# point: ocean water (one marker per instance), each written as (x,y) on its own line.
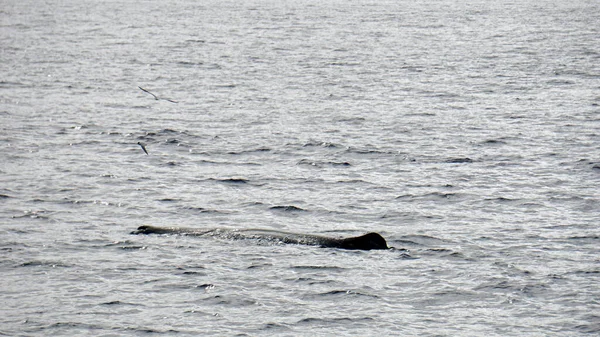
(467,133)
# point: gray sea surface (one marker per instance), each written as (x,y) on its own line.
(467,133)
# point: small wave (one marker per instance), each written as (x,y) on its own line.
(168,200)
(345,293)
(493,142)
(231,180)
(225,86)
(132,247)
(34,214)
(117,302)
(421,240)
(449,253)
(125,245)
(173,141)
(351,120)
(403,253)
(321,144)
(196,273)
(256,150)
(517,287)
(177,142)
(585,237)
(259,265)
(345,163)
(319,321)
(111,133)
(231,301)
(343,64)
(323,163)
(189,64)
(501,199)
(430,196)
(274,326)
(330,268)
(590,328)
(111,303)
(38,263)
(395,215)
(369,151)
(147,138)
(62,326)
(169,131)
(311,281)
(585,272)
(200,209)
(440,250)
(459,160)
(145,331)
(205,286)
(420,114)
(559,82)
(406,242)
(591,164)
(287,208)
(354,181)
(8,84)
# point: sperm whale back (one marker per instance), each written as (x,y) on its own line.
(364,242)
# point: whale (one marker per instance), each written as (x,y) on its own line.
(369,241)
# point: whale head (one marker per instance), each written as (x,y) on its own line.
(364,242)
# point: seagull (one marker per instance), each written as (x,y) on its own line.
(156,97)
(143,147)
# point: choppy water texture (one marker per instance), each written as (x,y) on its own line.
(466,132)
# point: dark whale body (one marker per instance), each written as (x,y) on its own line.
(364,242)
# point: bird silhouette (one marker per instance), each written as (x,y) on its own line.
(156,97)
(143,147)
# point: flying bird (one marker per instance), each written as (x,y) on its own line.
(156,97)
(143,147)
